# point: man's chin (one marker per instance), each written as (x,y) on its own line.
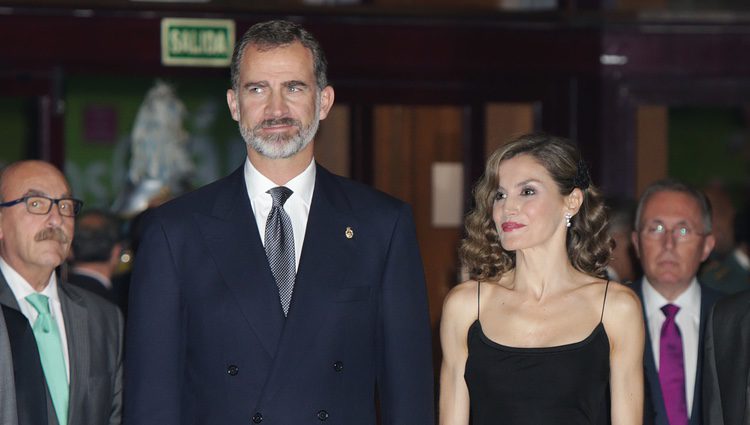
(670,280)
(52,260)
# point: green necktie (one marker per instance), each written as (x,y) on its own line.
(51,352)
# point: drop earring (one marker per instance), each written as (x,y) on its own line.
(568,216)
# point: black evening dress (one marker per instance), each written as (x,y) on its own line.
(563,385)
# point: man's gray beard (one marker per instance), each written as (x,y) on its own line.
(277,146)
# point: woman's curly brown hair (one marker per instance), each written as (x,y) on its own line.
(588,244)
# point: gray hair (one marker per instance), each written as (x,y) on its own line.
(674,185)
(272,34)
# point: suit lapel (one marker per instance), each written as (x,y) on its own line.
(79,348)
(649,365)
(233,242)
(708,299)
(327,255)
(6,295)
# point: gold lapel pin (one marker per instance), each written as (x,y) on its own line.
(349,232)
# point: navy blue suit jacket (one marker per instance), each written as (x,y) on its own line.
(654,409)
(208,342)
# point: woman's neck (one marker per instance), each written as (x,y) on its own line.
(542,272)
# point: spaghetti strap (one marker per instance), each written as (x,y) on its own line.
(606,288)
(479,284)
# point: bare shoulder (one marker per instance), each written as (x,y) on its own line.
(622,302)
(623,314)
(460,305)
(462,297)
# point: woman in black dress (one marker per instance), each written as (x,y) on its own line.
(537,336)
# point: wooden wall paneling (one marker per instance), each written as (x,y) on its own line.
(630,107)
(393,145)
(506,121)
(332,143)
(408,140)
(651,145)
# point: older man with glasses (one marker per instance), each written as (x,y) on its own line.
(672,237)
(78,335)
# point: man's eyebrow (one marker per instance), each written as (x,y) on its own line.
(295,83)
(660,221)
(36,192)
(256,84)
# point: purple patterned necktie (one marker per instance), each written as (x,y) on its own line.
(672,368)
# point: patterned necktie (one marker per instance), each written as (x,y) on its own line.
(280,245)
(48,341)
(672,368)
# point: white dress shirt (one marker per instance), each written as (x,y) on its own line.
(688,320)
(741,258)
(21,289)
(297,206)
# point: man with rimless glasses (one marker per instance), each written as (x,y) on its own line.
(672,238)
(78,335)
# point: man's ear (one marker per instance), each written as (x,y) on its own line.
(232,102)
(326,101)
(114,254)
(636,247)
(708,246)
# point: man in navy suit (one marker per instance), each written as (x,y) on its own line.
(672,238)
(217,335)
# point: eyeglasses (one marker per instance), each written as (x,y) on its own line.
(41,205)
(682,233)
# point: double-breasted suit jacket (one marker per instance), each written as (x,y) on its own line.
(94,330)
(726,367)
(207,339)
(654,408)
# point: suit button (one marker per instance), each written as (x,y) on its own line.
(338,366)
(322,415)
(257,418)
(232,370)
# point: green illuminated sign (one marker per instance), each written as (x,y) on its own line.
(197,42)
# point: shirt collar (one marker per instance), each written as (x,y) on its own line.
(689,300)
(21,288)
(104,280)
(301,185)
(741,258)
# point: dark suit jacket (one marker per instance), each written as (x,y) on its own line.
(207,339)
(654,409)
(726,390)
(94,330)
(30,386)
(90,284)
(725,275)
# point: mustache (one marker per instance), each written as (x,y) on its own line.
(279,121)
(52,233)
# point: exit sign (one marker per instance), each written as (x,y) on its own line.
(197,42)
